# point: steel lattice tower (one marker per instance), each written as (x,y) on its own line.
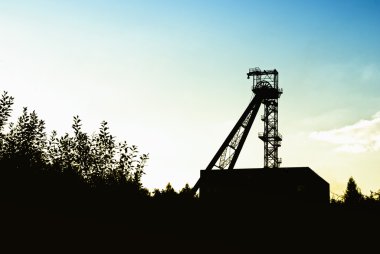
(266,84)
(265,88)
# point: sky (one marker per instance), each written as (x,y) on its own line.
(170,77)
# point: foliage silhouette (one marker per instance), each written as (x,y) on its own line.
(352,195)
(72,169)
(92,178)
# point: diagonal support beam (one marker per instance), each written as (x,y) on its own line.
(234,142)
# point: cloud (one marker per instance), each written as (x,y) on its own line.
(359,137)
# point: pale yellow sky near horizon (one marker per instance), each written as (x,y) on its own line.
(171,78)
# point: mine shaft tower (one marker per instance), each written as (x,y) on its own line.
(265,88)
(265,84)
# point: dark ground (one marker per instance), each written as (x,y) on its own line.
(197,230)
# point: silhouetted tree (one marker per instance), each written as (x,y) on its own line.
(352,195)
(25,142)
(334,201)
(37,165)
(185,190)
(186,193)
(101,161)
(167,192)
(375,195)
(6,103)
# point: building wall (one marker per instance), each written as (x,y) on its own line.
(259,185)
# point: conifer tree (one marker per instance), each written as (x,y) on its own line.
(352,195)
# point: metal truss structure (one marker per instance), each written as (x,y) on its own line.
(265,83)
(265,88)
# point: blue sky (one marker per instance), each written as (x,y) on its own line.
(169,77)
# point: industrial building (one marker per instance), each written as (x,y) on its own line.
(220,181)
(293,185)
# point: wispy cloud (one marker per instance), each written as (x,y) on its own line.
(359,137)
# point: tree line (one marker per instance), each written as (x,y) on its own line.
(354,198)
(85,170)
(67,190)
(73,169)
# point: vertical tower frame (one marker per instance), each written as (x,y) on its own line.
(265,84)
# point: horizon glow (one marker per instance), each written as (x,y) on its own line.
(170,77)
